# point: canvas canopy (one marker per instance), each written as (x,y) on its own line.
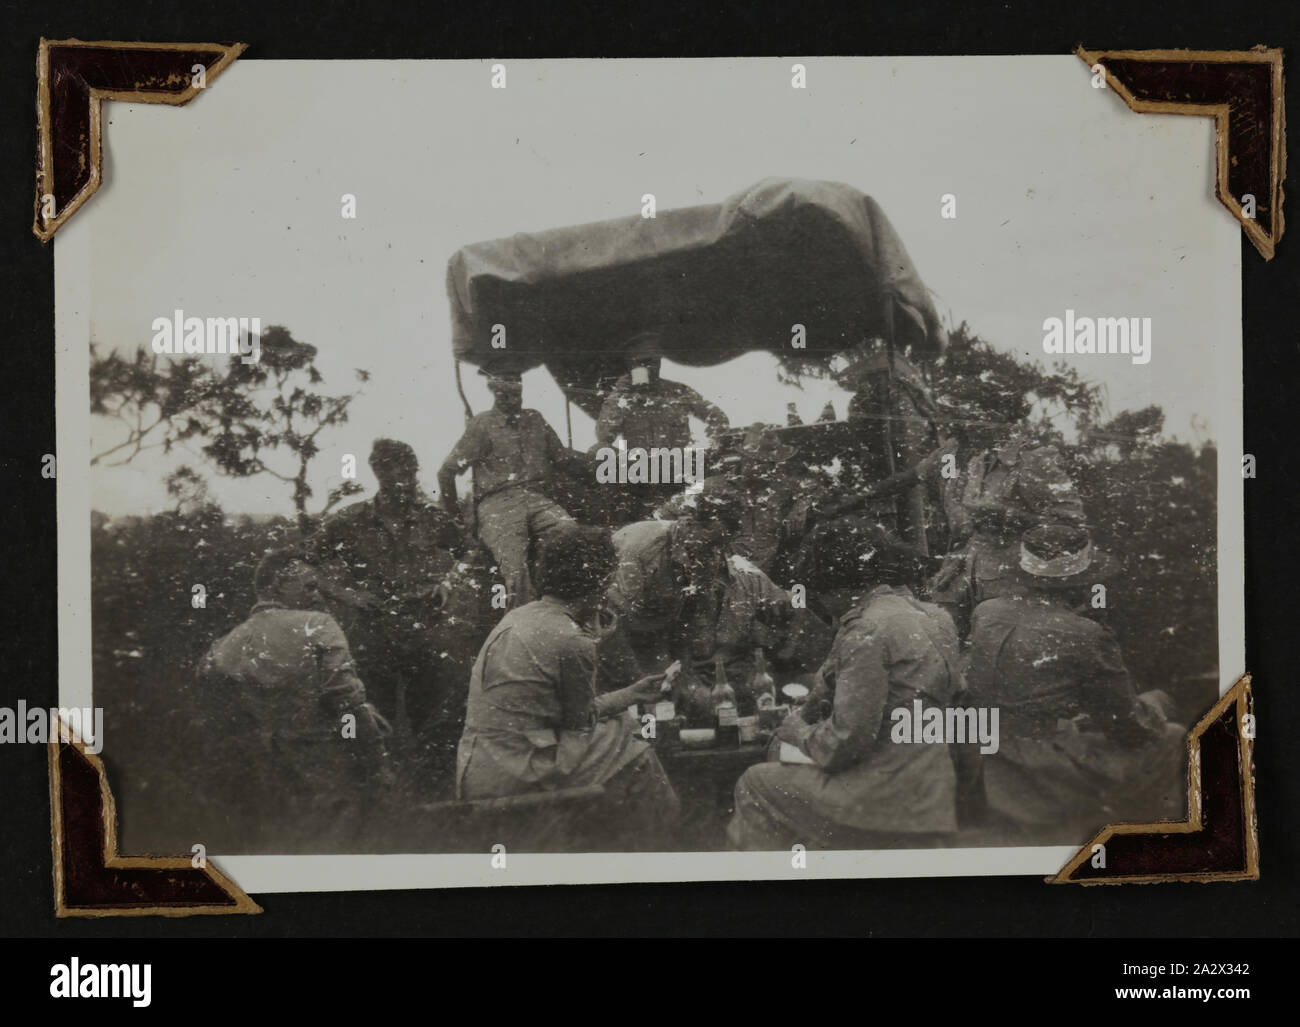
(716,281)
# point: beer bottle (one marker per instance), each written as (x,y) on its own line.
(723,697)
(761,685)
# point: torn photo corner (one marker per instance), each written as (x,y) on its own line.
(477,473)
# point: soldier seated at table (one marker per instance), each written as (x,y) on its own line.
(679,593)
(535,722)
(292,742)
(1079,747)
(859,787)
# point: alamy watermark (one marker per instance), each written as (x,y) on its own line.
(935,725)
(39,725)
(1131,335)
(195,336)
(74,979)
(656,466)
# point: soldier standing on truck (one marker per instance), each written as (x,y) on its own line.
(648,411)
(513,452)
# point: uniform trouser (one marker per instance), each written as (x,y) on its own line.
(637,813)
(416,688)
(764,820)
(507,522)
(401,669)
(644,806)
(777,807)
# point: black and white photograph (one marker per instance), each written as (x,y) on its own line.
(648,470)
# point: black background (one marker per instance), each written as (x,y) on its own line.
(972,907)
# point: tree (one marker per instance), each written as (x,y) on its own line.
(188,488)
(260,418)
(1129,432)
(976,386)
(288,419)
(155,401)
(981,386)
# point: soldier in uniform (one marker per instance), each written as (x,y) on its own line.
(513,452)
(536,722)
(648,411)
(1078,747)
(858,788)
(298,753)
(1003,491)
(678,595)
(772,497)
(387,562)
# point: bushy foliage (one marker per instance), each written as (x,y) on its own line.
(147,639)
(1150,501)
(1155,509)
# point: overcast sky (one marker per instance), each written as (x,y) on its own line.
(231,207)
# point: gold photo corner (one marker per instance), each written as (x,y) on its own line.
(74,78)
(95,880)
(1215,824)
(1243,91)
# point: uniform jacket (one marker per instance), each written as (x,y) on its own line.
(395,556)
(1000,495)
(657,414)
(288,671)
(507,455)
(765,509)
(531,720)
(645,591)
(282,773)
(890,650)
(1070,719)
(1032,481)
(649,598)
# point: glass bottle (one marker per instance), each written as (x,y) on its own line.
(761,685)
(723,696)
